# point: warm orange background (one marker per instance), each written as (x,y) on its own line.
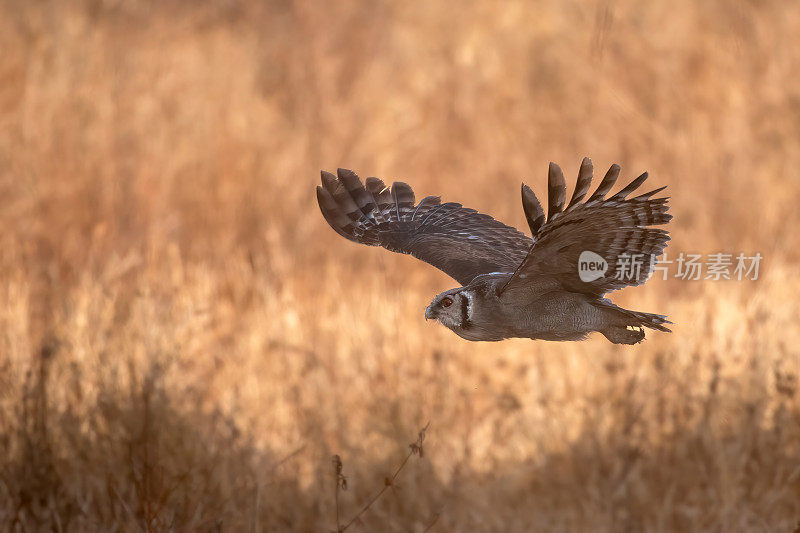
(185,343)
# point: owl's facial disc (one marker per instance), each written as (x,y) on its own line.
(447,309)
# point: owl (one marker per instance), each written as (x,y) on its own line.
(548,286)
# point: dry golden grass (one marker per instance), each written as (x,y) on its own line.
(184,343)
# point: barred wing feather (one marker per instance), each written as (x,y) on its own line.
(457,240)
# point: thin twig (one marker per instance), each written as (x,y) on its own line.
(416,448)
(338,527)
(341,482)
(432,522)
(286,458)
(387,483)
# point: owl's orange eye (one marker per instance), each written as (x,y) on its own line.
(447,302)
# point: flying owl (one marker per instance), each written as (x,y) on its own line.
(550,286)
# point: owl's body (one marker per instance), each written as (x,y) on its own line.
(539,312)
(512,285)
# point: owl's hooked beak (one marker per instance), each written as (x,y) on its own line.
(429,314)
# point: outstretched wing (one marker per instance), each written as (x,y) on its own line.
(616,229)
(457,240)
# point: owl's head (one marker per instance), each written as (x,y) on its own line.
(452,308)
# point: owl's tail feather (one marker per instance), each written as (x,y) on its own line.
(649,320)
(629,328)
(626,318)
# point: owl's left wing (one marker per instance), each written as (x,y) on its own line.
(616,231)
(459,241)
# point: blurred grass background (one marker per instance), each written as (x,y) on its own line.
(184,342)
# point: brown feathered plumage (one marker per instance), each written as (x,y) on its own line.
(513,285)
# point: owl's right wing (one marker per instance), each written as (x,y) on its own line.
(459,241)
(617,230)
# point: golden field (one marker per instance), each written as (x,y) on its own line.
(185,343)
